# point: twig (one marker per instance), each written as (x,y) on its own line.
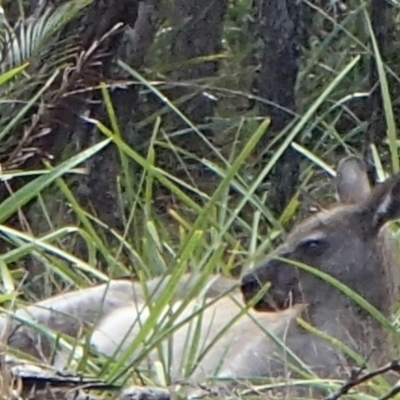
(358,379)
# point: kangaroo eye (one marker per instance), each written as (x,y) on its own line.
(312,243)
(314,246)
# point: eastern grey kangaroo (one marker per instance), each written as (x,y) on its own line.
(349,242)
(70,313)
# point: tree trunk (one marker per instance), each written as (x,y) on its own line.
(99,188)
(377,124)
(198,28)
(100,49)
(280,28)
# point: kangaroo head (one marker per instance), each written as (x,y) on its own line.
(346,242)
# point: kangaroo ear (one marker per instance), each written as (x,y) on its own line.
(352,182)
(384,203)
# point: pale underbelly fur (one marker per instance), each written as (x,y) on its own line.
(243,350)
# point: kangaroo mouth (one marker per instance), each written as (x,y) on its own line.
(274,299)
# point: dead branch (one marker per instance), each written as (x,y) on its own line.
(357,378)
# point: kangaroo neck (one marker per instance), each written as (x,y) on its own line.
(351,325)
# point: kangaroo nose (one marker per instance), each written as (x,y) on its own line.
(274,290)
(249,286)
(249,282)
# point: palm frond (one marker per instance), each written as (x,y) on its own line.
(41,42)
(31,38)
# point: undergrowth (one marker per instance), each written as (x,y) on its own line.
(217,231)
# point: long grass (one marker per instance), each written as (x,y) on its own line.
(201,232)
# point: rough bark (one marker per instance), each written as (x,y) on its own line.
(132,47)
(198,28)
(377,124)
(279,27)
(129,43)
